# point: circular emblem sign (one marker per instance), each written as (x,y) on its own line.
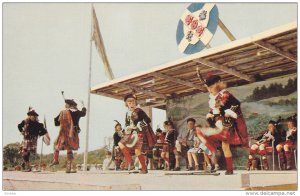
(196,27)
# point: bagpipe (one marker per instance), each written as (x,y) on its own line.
(227,121)
(266,137)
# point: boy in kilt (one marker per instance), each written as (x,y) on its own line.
(290,142)
(262,141)
(68,139)
(137,127)
(169,144)
(31,129)
(116,154)
(226,122)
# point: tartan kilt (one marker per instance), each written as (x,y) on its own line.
(289,143)
(156,151)
(29,145)
(229,136)
(65,142)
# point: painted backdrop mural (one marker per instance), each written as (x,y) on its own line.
(260,102)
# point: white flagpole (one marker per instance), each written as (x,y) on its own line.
(89,100)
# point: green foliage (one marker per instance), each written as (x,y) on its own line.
(11,155)
(255,125)
(274,90)
(283,102)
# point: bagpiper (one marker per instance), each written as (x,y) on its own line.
(226,121)
(68,138)
(138,133)
(290,142)
(31,129)
(272,135)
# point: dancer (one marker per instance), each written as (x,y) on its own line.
(225,119)
(31,129)
(137,132)
(68,138)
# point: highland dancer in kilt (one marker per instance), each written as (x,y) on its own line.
(137,127)
(31,129)
(169,144)
(68,120)
(264,140)
(225,119)
(116,155)
(284,148)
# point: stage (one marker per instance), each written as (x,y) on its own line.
(154,180)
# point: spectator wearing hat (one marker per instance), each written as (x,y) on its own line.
(225,119)
(136,121)
(262,141)
(184,142)
(68,139)
(284,148)
(116,150)
(31,129)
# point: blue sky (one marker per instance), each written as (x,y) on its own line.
(46,50)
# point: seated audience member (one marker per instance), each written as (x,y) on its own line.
(263,141)
(192,154)
(108,163)
(284,148)
(184,142)
(198,148)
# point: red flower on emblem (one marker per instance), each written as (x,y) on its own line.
(189,19)
(194,24)
(199,30)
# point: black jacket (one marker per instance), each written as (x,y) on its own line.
(75,117)
(171,137)
(279,137)
(117,138)
(34,128)
(140,116)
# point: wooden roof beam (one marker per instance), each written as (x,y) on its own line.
(276,50)
(178,81)
(138,89)
(225,69)
(140,101)
(107,95)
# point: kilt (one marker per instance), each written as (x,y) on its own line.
(29,145)
(289,143)
(68,134)
(65,142)
(229,135)
(156,151)
(117,153)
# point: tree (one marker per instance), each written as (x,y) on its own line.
(11,155)
(289,88)
(263,92)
